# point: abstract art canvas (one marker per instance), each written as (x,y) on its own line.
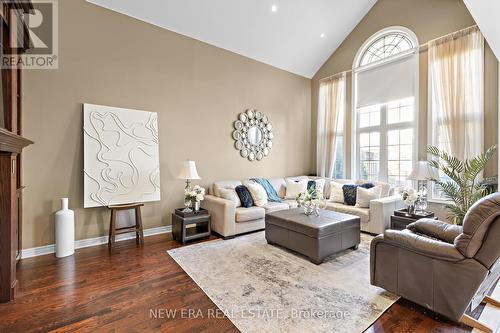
(121,156)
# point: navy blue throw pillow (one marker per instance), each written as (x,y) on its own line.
(350,192)
(244,195)
(311,185)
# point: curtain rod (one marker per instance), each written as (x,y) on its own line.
(421,47)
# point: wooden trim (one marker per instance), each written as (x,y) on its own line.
(491,301)
(13,143)
(474,323)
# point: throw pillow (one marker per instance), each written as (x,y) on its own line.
(365,195)
(350,192)
(293,189)
(259,194)
(318,185)
(231,195)
(336,192)
(244,195)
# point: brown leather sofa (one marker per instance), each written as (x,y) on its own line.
(443,267)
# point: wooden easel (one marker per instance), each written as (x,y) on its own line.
(113,231)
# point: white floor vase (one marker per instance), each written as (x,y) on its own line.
(65,230)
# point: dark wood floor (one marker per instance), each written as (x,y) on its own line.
(93,291)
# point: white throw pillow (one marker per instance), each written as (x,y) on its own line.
(365,195)
(336,192)
(293,189)
(231,195)
(320,187)
(258,193)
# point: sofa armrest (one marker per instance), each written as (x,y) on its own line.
(223,213)
(437,229)
(425,246)
(381,211)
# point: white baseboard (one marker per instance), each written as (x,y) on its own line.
(81,243)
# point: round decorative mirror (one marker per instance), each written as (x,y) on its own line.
(253,135)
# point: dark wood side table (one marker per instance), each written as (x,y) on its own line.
(401,218)
(190,226)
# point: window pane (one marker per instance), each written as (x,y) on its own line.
(393,153)
(400,156)
(364,140)
(338,169)
(400,111)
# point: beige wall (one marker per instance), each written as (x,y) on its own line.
(428,19)
(198,90)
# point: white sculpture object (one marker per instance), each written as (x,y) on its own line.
(65,230)
(121,156)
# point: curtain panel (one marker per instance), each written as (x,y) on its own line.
(456,92)
(331,105)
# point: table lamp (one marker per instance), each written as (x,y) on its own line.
(188,172)
(422,172)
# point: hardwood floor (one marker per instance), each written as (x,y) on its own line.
(132,290)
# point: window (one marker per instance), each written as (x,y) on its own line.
(386,46)
(385,91)
(386,141)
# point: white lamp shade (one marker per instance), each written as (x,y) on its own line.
(188,171)
(422,171)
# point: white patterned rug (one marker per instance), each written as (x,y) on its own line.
(264,288)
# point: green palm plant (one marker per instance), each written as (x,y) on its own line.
(463,188)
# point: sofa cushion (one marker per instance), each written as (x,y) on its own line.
(275,206)
(258,193)
(362,213)
(365,195)
(336,192)
(317,184)
(294,188)
(224,184)
(249,214)
(231,195)
(279,185)
(350,192)
(385,187)
(244,195)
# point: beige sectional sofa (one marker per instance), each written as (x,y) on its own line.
(229,220)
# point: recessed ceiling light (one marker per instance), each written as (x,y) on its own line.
(274,8)
(322,35)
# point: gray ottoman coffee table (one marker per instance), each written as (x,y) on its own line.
(316,237)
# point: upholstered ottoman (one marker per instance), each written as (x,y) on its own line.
(316,237)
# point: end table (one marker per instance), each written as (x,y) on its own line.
(190,226)
(401,218)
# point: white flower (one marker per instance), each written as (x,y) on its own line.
(199,197)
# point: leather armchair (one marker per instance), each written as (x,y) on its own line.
(443,267)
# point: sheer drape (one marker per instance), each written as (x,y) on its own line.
(331,105)
(456,92)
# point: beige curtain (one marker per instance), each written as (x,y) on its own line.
(456,92)
(331,105)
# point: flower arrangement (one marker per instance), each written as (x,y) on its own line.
(410,197)
(310,201)
(196,194)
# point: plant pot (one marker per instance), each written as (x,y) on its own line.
(196,206)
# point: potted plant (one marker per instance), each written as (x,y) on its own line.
(461,185)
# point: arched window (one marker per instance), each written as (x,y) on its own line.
(385,46)
(385,101)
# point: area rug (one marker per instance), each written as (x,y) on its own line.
(265,288)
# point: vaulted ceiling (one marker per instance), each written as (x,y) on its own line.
(295,35)
(485,13)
